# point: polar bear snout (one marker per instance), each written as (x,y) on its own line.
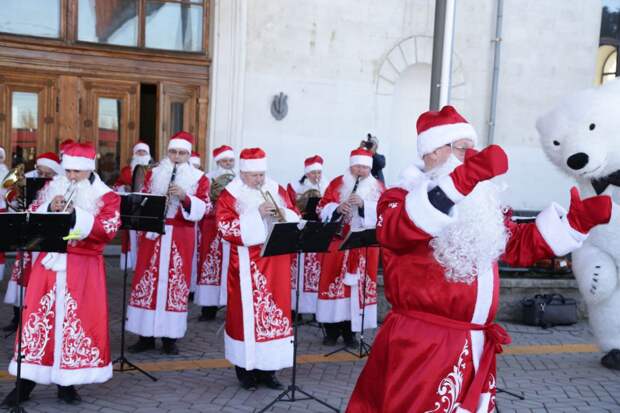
(577,160)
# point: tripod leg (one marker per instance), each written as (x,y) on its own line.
(308,395)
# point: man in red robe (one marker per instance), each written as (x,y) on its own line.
(160,287)
(65,337)
(214,251)
(258,317)
(442,232)
(47,166)
(312,180)
(348,283)
(129,238)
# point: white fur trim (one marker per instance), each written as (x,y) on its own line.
(197,209)
(225,155)
(247,308)
(53,165)
(435,137)
(269,355)
(370,214)
(423,214)
(194,160)
(447,186)
(350,279)
(181,144)
(333,311)
(313,167)
(253,231)
(484,295)
(253,165)
(556,231)
(207,295)
(84,222)
(78,163)
(12,293)
(141,146)
(64,377)
(328,211)
(360,160)
(225,263)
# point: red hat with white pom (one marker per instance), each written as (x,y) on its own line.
(223,152)
(50,160)
(360,157)
(79,157)
(253,160)
(436,129)
(313,163)
(181,141)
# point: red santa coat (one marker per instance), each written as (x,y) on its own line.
(73,348)
(213,258)
(258,317)
(342,272)
(310,262)
(436,349)
(160,288)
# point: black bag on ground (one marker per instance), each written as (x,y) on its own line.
(549,310)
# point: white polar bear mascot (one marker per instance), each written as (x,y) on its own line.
(581,136)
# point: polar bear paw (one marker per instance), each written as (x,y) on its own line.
(596,273)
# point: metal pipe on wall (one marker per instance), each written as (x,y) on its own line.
(496,66)
(443,39)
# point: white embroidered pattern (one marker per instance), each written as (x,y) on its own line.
(36,329)
(212,265)
(231,228)
(492,391)
(312,272)
(371,286)
(178,290)
(17,265)
(336,287)
(270,321)
(78,350)
(111,225)
(393,205)
(144,291)
(380,221)
(450,386)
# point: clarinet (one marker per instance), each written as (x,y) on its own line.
(342,221)
(172,178)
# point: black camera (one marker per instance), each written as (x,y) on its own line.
(368,143)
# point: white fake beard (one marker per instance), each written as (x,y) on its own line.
(183,178)
(86,197)
(140,160)
(250,199)
(476,239)
(444,169)
(223,171)
(368,188)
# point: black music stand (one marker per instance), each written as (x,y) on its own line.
(290,238)
(359,239)
(31,231)
(139,212)
(33,186)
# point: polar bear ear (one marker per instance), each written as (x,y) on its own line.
(549,124)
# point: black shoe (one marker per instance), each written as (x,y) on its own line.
(249,382)
(611,360)
(12,326)
(25,388)
(352,343)
(208,313)
(143,344)
(170,346)
(269,379)
(69,395)
(329,341)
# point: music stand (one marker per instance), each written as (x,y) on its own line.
(33,186)
(290,238)
(139,212)
(31,231)
(359,239)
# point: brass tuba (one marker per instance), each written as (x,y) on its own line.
(218,184)
(15,184)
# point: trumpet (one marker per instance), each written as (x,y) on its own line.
(69,195)
(269,198)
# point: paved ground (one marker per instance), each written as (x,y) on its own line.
(557,370)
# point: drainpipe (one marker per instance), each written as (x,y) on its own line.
(496,62)
(443,39)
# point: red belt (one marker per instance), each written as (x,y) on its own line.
(495,337)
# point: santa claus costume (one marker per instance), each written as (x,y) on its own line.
(4,170)
(214,251)
(65,330)
(160,288)
(50,163)
(129,238)
(258,317)
(442,232)
(341,296)
(311,261)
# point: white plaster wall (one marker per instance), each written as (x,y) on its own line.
(329,57)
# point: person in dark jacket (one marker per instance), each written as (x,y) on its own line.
(378,160)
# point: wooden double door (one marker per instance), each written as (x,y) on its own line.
(38,111)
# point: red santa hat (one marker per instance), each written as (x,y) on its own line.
(79,157)
(63,145)
(182,141)
(141,146)
(313,163)
(252,160)
(436,129)
(195,158)
(223,152)
(51,160)
(360,156)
